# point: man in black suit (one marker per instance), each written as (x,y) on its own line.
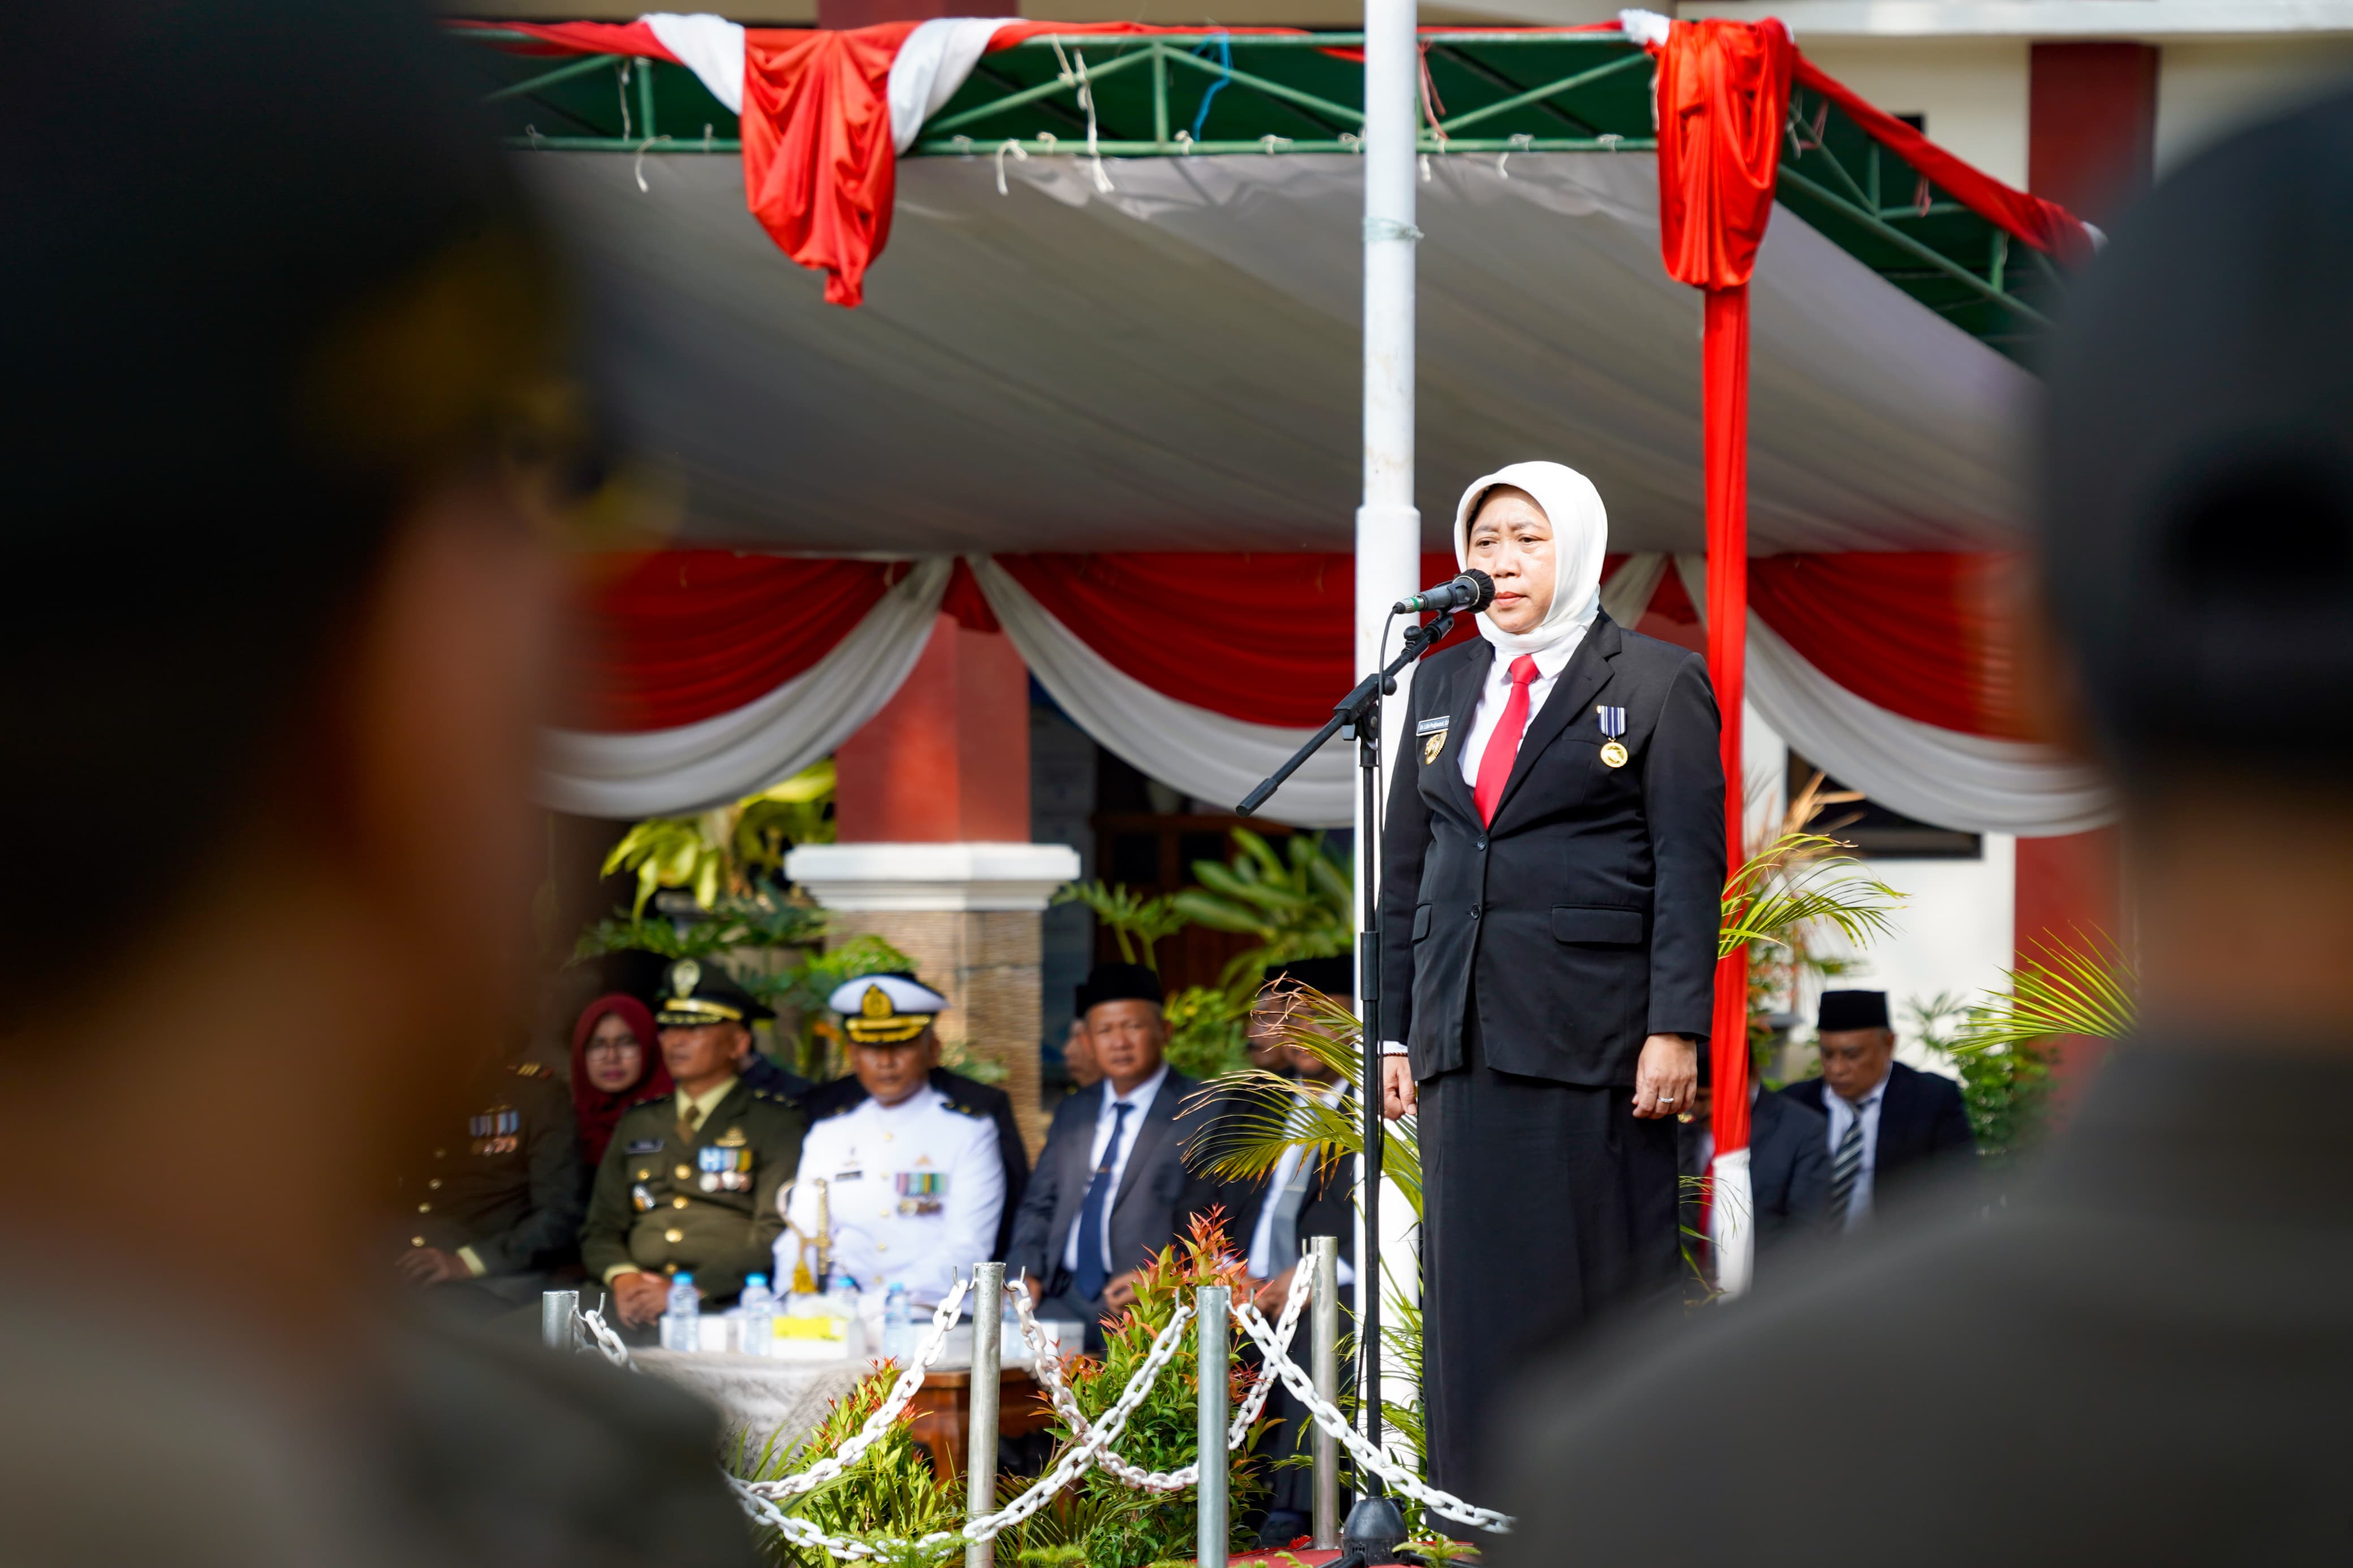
(2151,1332)
(1111,1188)
(968,1094)
(1885,1122)
(1555,855)
(1789,1168)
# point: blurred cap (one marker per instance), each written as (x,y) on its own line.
(696,992)
(1851,1010)
(1117,982)
(2198,460)
(886,1009)
(1335,976)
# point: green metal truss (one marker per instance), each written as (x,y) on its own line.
(1189,94)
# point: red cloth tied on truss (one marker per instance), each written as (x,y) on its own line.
(819,171)
(1723,94)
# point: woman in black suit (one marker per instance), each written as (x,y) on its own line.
(1552,859)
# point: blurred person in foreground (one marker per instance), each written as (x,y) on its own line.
(2152,1336)
(281,508)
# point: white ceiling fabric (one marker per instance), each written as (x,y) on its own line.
(1174,364)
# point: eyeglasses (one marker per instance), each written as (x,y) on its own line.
(612,1048)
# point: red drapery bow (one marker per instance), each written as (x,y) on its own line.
(1723,98)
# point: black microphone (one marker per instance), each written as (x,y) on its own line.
(1473,590)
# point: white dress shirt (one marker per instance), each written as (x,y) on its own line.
(914,1191)
(1489,714)
(1497,691)
(1106,1119)
(1262,1263)
(1842,1113)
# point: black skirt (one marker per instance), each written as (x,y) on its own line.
(1545,1206)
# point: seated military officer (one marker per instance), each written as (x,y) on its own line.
(689,1184)
(909,1180)
(495,1201)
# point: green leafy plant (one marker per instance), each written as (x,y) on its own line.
(1136,922)
(730,850)
(764,919)
(891,1494)
(1205,1031)
(1298,903)
(1160,1434)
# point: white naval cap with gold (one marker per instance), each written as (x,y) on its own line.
(885,1009)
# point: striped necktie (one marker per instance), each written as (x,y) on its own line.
(1846,1165)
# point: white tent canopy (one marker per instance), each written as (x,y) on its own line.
(1176,363)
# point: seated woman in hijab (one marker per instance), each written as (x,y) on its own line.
(616,1061)
(1552,864)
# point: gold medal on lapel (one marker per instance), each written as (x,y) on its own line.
(1433,738)
(1613,724)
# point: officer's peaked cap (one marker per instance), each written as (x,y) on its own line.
(885,1009)
(696,991)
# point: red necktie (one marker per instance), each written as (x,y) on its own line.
(1503,745)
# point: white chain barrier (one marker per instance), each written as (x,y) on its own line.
(1332,1420)
(832,1465)
(1091,1447)
(1050,1373)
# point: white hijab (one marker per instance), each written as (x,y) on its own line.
(1580,537)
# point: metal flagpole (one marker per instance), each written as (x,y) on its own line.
(1389,532)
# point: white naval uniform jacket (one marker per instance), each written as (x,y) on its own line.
(915,1191)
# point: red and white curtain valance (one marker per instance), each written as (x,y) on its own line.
(712,674)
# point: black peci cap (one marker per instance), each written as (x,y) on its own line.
(1335,976)
(1118,982)
(2198,460)
(1842,1010)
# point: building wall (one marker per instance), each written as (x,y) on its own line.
(1973,90)
(2206,91)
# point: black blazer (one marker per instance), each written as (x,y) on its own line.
(1921,1121)
(1789,1168)
(966,1094)
(1585,918)
(1158,1196)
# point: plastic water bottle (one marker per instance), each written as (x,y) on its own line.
(759,1315)
(682,1324)
(898,1329)
(841,1299)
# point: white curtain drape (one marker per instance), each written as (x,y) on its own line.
(670,772)
(1973,783)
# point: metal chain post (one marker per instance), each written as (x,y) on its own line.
(1210,1430)
(980,1440)
(559,1320)
(1324,1256)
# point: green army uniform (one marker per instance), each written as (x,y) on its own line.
(501,1187)
(671,1201)
(701,1200)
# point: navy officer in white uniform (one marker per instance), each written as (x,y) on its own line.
(914,1182)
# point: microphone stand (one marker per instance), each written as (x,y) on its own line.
(1359,714)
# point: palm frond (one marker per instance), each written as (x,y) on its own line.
(2065,990)
(1801,879)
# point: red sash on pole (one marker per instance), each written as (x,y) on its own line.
(1723,94)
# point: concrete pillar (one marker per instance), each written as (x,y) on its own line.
(932,805)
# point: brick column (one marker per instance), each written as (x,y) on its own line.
(932,804)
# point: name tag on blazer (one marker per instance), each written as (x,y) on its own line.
(1432,735)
